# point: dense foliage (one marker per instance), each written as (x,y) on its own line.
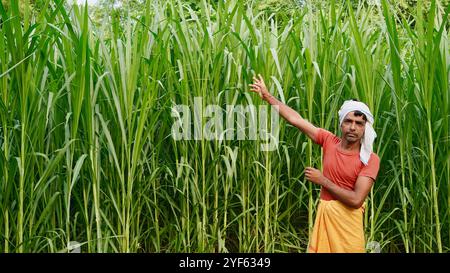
(86,112)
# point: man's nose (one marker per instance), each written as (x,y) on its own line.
(353,126)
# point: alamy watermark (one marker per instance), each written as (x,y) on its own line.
(234,122)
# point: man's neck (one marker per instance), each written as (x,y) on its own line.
(350,146)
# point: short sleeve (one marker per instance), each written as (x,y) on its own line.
(323,136)
(371,169)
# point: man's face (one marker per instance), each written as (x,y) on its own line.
(353,127)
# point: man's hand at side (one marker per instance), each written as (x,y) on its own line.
(352,198)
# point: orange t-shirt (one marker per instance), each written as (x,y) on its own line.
(343,167)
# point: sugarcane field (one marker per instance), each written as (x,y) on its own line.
(224,126)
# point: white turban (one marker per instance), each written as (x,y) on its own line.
(369,134)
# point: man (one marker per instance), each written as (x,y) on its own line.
(349,171)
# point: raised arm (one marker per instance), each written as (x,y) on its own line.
(285,111)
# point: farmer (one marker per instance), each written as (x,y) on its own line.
(349,171)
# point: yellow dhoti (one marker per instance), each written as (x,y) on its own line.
(338,228)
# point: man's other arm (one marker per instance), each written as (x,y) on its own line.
(352,198)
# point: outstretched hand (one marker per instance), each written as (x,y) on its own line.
(259,87)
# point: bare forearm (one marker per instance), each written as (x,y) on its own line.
(348,197)
(285,111)
(353,198)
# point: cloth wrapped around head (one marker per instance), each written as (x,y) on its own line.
(369,134)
